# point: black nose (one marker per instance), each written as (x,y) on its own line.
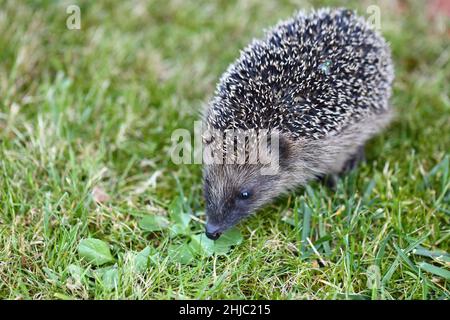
(212,232)
(213,236)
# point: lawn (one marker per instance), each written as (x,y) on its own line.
(92,207)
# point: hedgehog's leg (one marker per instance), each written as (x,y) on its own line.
(330,181)
(354,160)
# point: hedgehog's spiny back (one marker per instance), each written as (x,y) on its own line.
(311,76)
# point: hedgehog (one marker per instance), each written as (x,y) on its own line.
(321,83)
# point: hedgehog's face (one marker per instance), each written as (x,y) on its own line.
(232,192)
(236,190)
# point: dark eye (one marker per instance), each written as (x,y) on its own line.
(244,195)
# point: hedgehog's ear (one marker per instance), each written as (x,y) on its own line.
(275,150)
(284,150)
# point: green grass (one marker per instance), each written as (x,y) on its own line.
(96,108)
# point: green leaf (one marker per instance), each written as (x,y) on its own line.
(51,274)
(63,296)
(438,255)
(76,272)
(324,236)
(323,239)
(382,249)
(387,277)
(153,223)
(180,220)
(201,245)
(435,270)
(177,214)
(181,253)
(306,225)
(95,251)
(368,190)
(109,277)
(142,259)
(402,254)
(176,230)
(230,238)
